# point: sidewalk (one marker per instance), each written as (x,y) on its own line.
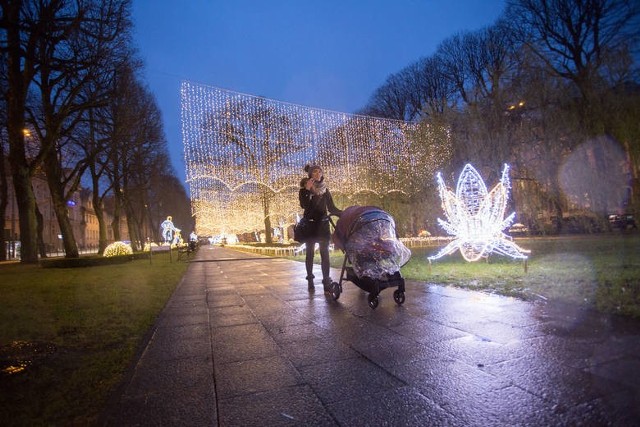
(242,342)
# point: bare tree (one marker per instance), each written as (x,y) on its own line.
(74,56)
(253,137)
(20,29)
(392,99)
(431,87)
(53,50)
(134,151)
(4,184)
(577,40)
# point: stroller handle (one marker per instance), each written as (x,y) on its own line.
(333,224)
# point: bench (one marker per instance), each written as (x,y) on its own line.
(185,251)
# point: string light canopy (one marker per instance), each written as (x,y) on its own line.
(476,217)
(245,156)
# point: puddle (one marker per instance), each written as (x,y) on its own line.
(18,356)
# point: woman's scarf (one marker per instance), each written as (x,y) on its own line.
(319,188)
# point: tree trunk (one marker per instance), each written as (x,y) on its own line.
(117,210)
(40,220)
(26,202)
(267,218)
(4,202)
(54,178)
(102,225)
(134,229)
(17,84)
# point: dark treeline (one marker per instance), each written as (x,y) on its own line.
(75,110)
(551,88)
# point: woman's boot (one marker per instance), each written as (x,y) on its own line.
(310,285)
(326,283)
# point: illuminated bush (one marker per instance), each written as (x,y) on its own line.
(148,246)
(117,248)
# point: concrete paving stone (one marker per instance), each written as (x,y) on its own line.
(426,331)
(342,379)
(346,327)
(216,300)
(618,409)
(389,316)
(507,406)
(242,342)
(192,331)
(296,332)
(448,379)
(497,331)
(625,371)
(173,343)
(174,407)
(253,289)
(402,406)
(629,346)
(218,292)
(275,322)
(574,352)
(266,304)
(231,316)
(318,306)
(476,351)
(392,350)
(251,376)
(310,352)
(153,374)
(172,318)
(554,382)
(287,406)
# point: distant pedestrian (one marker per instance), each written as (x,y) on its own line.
(315,199)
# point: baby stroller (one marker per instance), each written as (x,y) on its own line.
(373,253)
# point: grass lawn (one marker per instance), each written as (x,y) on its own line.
(598,271)
(68,335)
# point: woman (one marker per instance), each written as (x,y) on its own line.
(316,201)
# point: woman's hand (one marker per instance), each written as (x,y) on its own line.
(309,184)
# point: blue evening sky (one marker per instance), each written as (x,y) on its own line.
(330,54)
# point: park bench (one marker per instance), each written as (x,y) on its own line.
(185,251)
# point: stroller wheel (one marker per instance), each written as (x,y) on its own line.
(373,300)
(398,297)
(335,290)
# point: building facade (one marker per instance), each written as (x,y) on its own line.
(81,214)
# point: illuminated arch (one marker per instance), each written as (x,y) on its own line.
(242,151)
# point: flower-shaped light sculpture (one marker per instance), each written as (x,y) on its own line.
(476,217)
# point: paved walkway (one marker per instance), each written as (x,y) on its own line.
(243,343)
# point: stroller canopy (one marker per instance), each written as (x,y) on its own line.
(368,236)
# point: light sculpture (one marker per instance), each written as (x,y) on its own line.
(476,217)
(169,231)
(245,155)
(117,249)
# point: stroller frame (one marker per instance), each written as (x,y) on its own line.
(372,286)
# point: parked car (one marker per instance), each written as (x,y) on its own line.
(518,229)
(622,222)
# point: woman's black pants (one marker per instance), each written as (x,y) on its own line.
(324,258)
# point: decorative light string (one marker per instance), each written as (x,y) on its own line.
(476,217)
(245,156)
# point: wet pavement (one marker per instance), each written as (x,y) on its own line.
(242,342)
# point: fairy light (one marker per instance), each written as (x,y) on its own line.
(244,156)
(476,217)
